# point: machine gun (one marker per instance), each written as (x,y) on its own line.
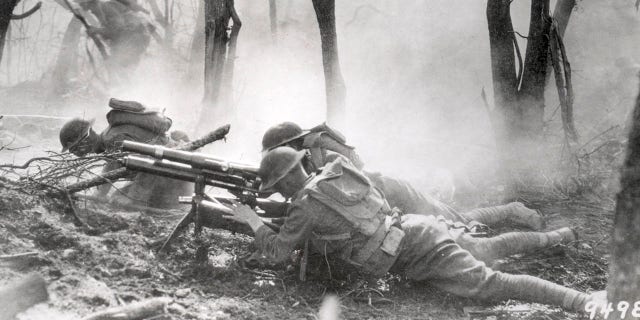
(239,179)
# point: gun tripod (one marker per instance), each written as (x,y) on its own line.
(194,215)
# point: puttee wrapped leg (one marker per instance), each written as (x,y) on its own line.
(515,212)
(455,270)
(507,244)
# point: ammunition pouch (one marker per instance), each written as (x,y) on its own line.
(380,251)
(348,192)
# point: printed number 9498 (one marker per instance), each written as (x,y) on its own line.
(623,307)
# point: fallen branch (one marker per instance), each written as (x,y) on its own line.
(21,295)
(218,134)
(89,30)
(135,311)
(598,136)
(16,256)
(34,116)
(74,211)
(562,72)
(100,179)
(129,206)
(60,160)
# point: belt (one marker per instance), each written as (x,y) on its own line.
(376,241)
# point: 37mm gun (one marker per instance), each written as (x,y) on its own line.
(239,179)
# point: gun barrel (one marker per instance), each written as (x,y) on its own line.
(194,159)
(182,172)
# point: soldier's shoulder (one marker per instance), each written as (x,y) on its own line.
(333,156)
(306,202)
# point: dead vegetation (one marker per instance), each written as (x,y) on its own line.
(96,256)
(112,263)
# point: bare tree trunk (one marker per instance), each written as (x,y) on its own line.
(165,21)
(67,57)
(226,91)
(273,18)
(532,86)
(624,278)
(505,85)
(562,13)
(220,50)
(6,9)
(217,18)
(518,92)
(335,88)
(196,55)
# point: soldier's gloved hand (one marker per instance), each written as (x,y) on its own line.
(244,214)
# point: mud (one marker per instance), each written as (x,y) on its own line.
(114,263)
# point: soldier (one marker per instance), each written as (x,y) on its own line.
(342,215)
(128,120)
(324,144)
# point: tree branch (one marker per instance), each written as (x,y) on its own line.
(27,13)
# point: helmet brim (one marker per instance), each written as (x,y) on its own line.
(304,133)
(268,187)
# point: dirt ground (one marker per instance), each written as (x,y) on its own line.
(114,262)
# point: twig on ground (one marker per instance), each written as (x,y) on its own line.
(18,256)
(597,243)
(138,310)
(598,136)
(74,211)
(130,206)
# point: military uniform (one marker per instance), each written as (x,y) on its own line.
(342,215)
(147,127)
(325,146)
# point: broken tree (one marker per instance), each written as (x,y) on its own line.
(219,56)
(6,15)
(335,88)
(273,18)
(624,269)
(66,62)
(519,89)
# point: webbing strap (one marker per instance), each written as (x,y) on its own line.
(375,241)
(332,237)
(303,261)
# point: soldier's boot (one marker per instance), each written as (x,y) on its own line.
(532,289)
(514,212)
(561,236)
(507,244)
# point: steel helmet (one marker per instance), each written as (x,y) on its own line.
(276,164)
(73,132)
(281,134)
